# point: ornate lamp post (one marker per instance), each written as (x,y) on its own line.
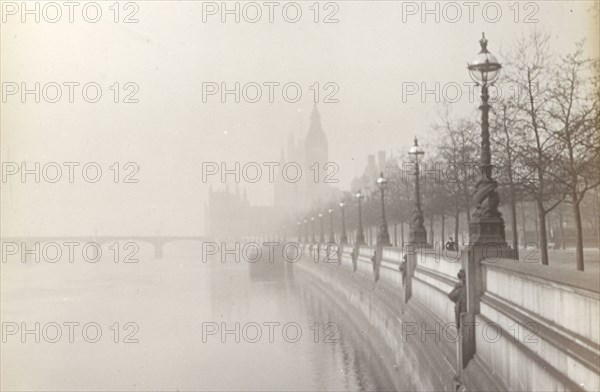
(360,235)
(299,232)
(417,233)
(312,219)
(383,236)
(305,230)
(331,236)
(486,223)
(343,237)
(322,233)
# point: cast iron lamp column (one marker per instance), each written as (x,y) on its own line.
(417,234)
(343,237)
(360,235)
(331,236)
(313,239)
(486,225)
(305,231)
(383,236)
(322,233)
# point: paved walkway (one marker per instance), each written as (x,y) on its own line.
(563,258)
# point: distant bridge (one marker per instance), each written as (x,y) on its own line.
(157,241)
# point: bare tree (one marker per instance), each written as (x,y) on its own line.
(504,134)
(572,107)
(529,70)
(591,205)
(398,197)
(456,152)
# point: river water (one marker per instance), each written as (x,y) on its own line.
(177,324)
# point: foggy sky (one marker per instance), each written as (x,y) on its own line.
(170,132)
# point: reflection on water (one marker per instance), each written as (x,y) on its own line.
(329,354)
(202,326)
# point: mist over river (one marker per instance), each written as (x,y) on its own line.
(176,324)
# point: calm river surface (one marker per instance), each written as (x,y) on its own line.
(160,325)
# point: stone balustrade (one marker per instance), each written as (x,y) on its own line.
(539,332)
(536,328)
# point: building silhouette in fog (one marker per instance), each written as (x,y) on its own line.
(229,213)
(311,154)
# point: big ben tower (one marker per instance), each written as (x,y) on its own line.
(316,153)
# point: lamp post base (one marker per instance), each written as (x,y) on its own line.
(418,235)
(383,236)
(487,230)
(360,238)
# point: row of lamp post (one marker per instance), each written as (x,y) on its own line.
(486,224)
(485,227)
(383,236)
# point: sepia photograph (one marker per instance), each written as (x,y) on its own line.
(309,195)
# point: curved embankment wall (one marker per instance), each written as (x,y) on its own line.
(530,332)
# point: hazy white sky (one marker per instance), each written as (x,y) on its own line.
(170,53)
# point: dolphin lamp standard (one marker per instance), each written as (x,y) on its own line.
(383,236)
(486,225)
(417,234)
(343,237)
(360,235)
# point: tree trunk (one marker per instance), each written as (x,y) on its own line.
(402,234)
(456,225)
(537,225)
(524,223)
(443,229)
(511,183)
(579,229)
(515,233)
(563,244)
(543,236)
(432,236)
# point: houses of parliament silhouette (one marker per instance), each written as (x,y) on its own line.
(230,215)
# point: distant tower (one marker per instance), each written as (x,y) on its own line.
(280,196)
(381,158)
(316,149)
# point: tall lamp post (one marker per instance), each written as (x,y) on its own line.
(343,237)
(417,234)
(486,225)
(299,232)
(284,233)
(331,236)
(322,233)
(305,230)
(383,236)
(360,235)
(312,219)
